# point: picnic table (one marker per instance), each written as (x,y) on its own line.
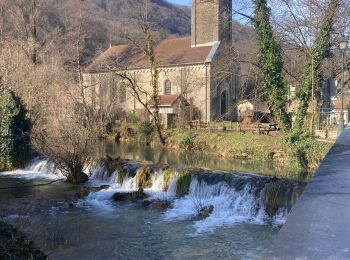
(258,127)
(197,124)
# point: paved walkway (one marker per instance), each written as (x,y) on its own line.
(319,225)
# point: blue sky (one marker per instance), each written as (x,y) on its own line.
(188,2)
(180,2)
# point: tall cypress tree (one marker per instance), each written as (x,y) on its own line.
(271,62)
(15,129)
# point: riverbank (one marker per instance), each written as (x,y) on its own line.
(14,245)
(306,156)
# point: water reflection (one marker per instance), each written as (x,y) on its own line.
(140,152)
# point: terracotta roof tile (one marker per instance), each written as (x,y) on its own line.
(169,52)
(165,100)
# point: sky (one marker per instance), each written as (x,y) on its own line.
(180,2)
(188,3)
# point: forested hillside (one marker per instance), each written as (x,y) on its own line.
(57,25)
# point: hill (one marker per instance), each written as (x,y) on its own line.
(103,21)
(54,26)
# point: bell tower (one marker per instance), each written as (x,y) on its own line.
(211,21)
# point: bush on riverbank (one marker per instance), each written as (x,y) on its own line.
(15,128)
(304,150)
(14,245)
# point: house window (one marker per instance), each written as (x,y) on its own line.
(167,87)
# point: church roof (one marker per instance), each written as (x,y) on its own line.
(169,52)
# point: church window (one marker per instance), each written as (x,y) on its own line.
(167,87)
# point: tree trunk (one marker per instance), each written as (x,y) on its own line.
(313,67)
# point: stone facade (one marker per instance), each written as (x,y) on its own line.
(206,76)
(211,21)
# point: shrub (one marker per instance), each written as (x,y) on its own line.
(187,143)
(305,149)
(132,117)
(146,130)
(15,128)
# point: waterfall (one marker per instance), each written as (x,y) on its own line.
(36,169)
(235,198)
(230,206)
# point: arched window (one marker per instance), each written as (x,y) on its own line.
(167,87)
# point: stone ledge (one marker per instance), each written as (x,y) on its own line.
(318,227)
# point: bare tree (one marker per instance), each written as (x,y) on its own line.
(147,47)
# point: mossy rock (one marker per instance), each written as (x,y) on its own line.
(143,177)
(84,192)
(278,195)
(14,245)
(113,165)
(161,204)
(130,196)
(77,178)
(168,175)
(183,182)
(121,177)
(204,213)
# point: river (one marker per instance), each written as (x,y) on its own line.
(96,227)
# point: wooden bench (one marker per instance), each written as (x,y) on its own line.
(197,124)
(260,128)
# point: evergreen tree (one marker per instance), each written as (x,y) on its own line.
(15,129)
(271,62)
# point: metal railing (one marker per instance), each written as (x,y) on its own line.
(330,119)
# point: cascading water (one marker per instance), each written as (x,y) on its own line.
(230,206)
(168,222)
(38,168)
(235,198)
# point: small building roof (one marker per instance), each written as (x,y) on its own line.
(338,106)
(166,100)
(169,52)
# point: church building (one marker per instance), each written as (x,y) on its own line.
(199,70)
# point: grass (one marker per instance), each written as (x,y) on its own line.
(303,157)
(228,144)
(249,146)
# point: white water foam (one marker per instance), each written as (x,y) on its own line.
(280,218)
(37,169)
(101,200)
(230,207)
